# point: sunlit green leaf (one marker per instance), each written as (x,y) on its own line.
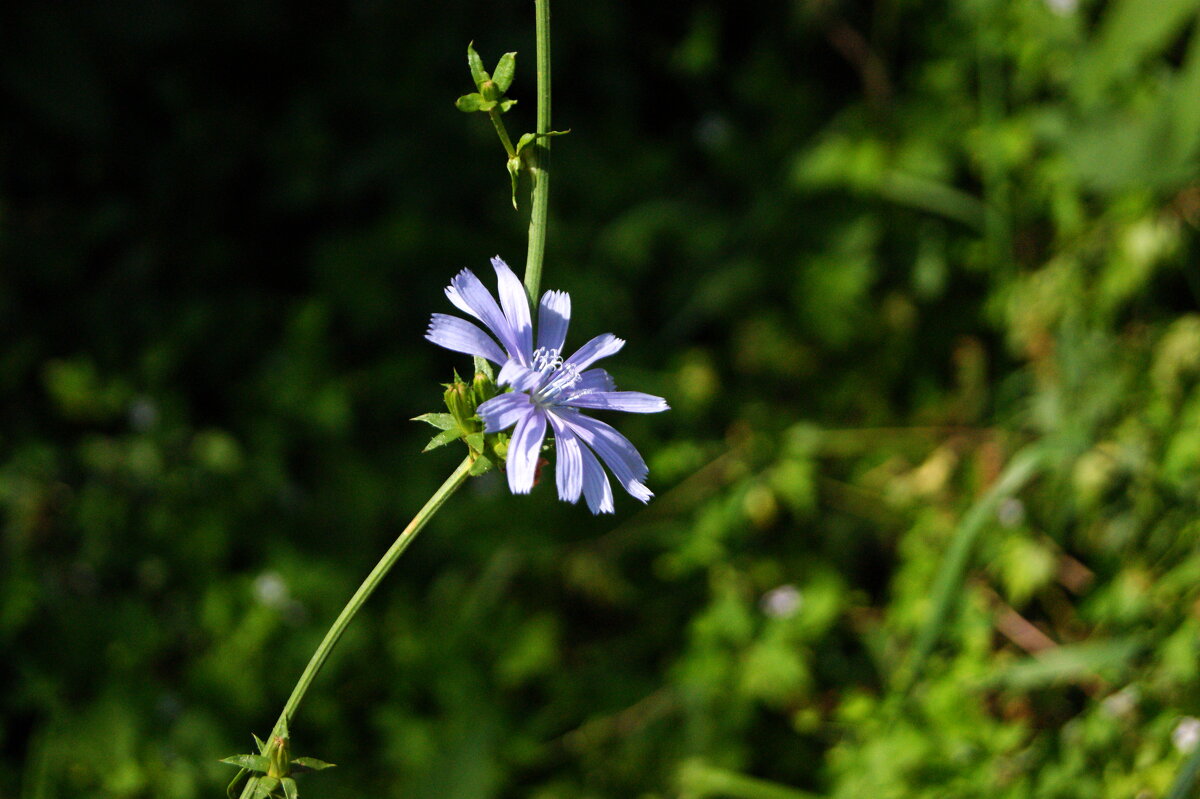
(443,438)
(475,63)
(474,102)
(265,786)
(249,762)
(442,421)
(503,75)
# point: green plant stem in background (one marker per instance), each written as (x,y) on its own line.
(539,168)
(385,564)
(1023,467)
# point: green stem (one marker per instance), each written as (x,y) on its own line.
(502,132)
(540,161)
(385,564)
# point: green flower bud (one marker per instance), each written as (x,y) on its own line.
(280,759)
(484,387)
(490,91)
(459,403)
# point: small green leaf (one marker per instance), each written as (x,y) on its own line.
(503,76)
(470,103)
(262,745)
(514,172)
(442,421)
(482,465)
(264,787)
(485,366)
(443,438)
(506,104)
(475,441)
(289,788)
(478,73)
(249,762)
(525,139)
(302,764)
(528,138)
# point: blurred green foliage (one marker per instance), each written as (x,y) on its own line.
(918,279)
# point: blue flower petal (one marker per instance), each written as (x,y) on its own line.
(523,450)
(628,401)
(462,336)
(601,346)
(502,412)
(473,296)
(554,316)
(515,303)
(568,463)
(617,452)
(594,380)
(596,488)
(520,378)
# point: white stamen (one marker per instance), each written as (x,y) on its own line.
(545,359)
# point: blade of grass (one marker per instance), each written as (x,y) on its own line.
(1067,663)
(1023,467)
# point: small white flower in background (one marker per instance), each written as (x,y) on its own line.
(271,590)
(143,414)
(1186,734)
(713,131)
(1011,512)
(1123,702)
(1063,7)
(782,602)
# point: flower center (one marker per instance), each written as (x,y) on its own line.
(556,376)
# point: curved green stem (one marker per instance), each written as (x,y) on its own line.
(540,162)
(372,581)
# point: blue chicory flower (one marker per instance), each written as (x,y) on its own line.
(548,390)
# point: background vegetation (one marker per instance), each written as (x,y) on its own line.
(917,276)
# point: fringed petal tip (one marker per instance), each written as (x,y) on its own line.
(639,491)
(460,335)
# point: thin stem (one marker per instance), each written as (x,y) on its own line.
(540,161)
(501,131)
(1023,468)
(385,564)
